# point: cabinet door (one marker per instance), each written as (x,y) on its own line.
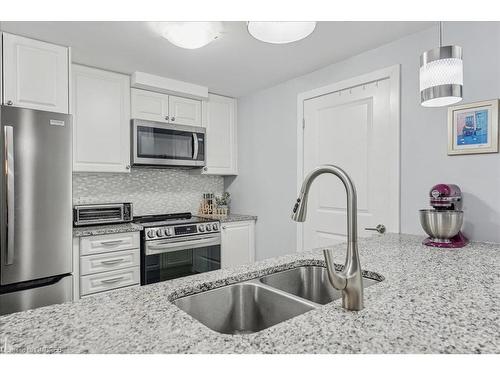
(184,111)
(221,136)
(35,74)
(237,243)
(101,120)
(148,105)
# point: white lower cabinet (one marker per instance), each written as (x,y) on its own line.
(237,243)
(105,281)
(106,262)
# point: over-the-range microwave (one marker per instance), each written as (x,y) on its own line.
(167,145)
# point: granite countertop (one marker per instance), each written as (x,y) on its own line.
(105,229)
(431,301)
(235,217)
(132,227)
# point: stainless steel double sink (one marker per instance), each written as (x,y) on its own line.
(254,305)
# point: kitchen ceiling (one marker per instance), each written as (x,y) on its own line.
(234,65)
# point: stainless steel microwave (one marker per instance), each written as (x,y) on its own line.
(167,145)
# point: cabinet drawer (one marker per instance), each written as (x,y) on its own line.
(101,282)
(109,261)
(109,242)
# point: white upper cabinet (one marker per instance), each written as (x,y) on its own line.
(101,120)
(184,111)
(36,74)
(148,105)
(237,243)
(154,106)
(221,136)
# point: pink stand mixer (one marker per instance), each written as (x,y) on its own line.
(444,221)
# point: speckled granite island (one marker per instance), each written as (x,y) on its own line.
(431,301)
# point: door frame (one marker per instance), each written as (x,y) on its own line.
(393,74)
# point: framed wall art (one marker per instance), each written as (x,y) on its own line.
(473,128)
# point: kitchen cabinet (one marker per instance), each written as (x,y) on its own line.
(101,120)
(36,74)
(153,106)
(105,262)
(184,111)
(237,243)
(148,105)
(221,136)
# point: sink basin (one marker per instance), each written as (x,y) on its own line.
(308,282)
(242,308)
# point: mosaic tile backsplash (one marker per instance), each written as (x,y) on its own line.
(152,191)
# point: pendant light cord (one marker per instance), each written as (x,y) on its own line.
(440,33)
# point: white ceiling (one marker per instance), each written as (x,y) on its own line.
(233,65)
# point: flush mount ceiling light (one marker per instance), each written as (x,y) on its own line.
(280,32)
(441,75)
(190,35)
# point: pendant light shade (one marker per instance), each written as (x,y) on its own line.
(441,76)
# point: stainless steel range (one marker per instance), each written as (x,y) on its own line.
(177,245)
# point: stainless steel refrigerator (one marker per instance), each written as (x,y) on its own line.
(35,209)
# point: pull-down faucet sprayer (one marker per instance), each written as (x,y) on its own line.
(349,281)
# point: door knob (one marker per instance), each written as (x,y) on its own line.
(9,102)
(173,118)
(166,118)
(379,228)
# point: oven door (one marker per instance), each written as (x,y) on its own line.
(178,257)
(154,143)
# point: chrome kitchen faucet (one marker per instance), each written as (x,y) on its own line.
(349,281)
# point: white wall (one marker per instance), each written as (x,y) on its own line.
(266,185)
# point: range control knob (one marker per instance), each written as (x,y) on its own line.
(215,226)
(201,227)
(151,233)
(208,227)
(169,231)
(159,232)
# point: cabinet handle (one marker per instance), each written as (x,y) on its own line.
(173,118)
(111,281)
(127,166)
(223,227)
(9,102)
(205,169)
(112,261)
(111,242)
(166,118)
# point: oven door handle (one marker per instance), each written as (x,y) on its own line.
(166,247)
(195,146)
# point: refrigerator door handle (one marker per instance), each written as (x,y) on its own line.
(9,173)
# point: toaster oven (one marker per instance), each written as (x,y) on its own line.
(95,214)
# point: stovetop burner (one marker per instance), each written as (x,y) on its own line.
(169,219)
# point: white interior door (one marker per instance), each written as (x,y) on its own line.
(352,129)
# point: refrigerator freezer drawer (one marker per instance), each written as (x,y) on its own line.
(109,242)
(59,292)
(101,282)
(116,260)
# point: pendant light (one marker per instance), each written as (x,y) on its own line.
(441,75)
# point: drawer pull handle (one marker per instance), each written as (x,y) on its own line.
(112,261)
(111,242)
(113,280)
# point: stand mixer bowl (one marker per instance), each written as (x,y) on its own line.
(441,225)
